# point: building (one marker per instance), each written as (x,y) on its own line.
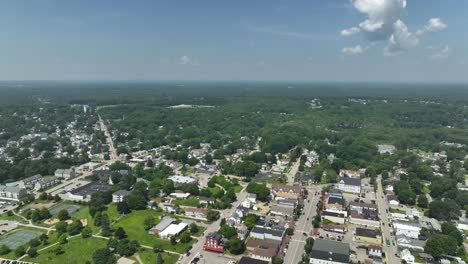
(265,233)
(178,180)
(118,196)
(329,252)
(382,149)
(29,182)
(207,200)
(180,195)
(169,208)
(406,255)
(406,228)
(410,243)
(393,200)
(214,242)
(368,235)
(350,185)
(334,217)
(334,228)
(46,182)
(374,251)
(362,207)
(84,192)
(283,188)
(198,213)
(367,218)
(65,173)
(350,174)
(248,260)
(173,230)
(264,250)
(252,197)
(285,211)
(12,192)
(165,222)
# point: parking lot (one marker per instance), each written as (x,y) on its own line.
(207,257)
(7,226)
(69,187)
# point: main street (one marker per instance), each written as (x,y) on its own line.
(390,250)
(303,225)
(197,248)
(292,172)
(110,142)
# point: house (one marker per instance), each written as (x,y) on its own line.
(362,207)
(329,252)
(366,218)
(252,197)
(287,202)
(12,192)
(285,211)
(84,192)
(165,222)
(173,230)
(350,174)
(410,243)
(393,200)
(350,185)
(368,235)
(269,234)
(180,195)
(248,260)
(118,196)
(406,228)
(214,242)
(65,173)
(198,213)
(413,213)
(283,188)
(179,180)
(29,182)
(46,182)
(334,229)
(236,217)
(382,149)
(169,208)
(207,200)
(406,255)
(262,250)
(335,204)
(374,251)
(285,195)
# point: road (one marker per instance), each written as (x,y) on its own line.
(392,250)
(110,142)
(297,242)
(292,173)
(197,248)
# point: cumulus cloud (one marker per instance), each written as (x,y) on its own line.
(186,60)
(383,23)
(441,53)
(433,25)
(350,51)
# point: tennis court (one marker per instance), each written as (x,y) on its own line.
(71,208)
(19,238)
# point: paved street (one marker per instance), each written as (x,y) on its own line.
(292,173)
(391,250)
(296,245)
(197,248)
(110,142)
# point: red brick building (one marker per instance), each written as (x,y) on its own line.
(214,242)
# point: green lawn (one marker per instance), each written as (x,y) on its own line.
(77,250)
(426,189)
(149,257)
(84,213)
(214,191)
(133,226)
(4,216)
(191,201)
(112,212)
(397,211)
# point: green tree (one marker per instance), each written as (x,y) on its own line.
(120,233)
(75,228)
(193,228)
(236,246)
(185,237)
(32,252)
(63,215)
(159,259)
(103,256)
(173,240)
(422,201)
(86,232)
(441,245)
(20,251)
(250,220)
(4,250)
(451,230)
(149,222)
(61,227)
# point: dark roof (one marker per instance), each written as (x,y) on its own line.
(328,213)
(91,188)
(331,251)
(261,230)
(247,260)
(214,236)
(367,232)
(336,200)
(351,181)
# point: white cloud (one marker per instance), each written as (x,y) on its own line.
(383,23)
(186,60)
(350,31)
(433,25)
(350,51)
(442,53)
(260,63)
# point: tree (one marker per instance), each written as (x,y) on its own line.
(32,252)
(20,251)
(120,233)
(422,201)
(212,215)
(185,237)
(236,246)
(250,220)
(441,245)
(34,242)
(276,260)
(261,190)
(193,228)
(149,222)
(126,247)
(63,215)
(86,232)
(135,200)
(452,231)
(309,244)
(4,250)
(105,224)
(61,227)
(75,228)
(103,256)
(289,231)
(58,250)
(228,231)
(43,196)
(444,210)
(173,240)
(63,238)
(123,207)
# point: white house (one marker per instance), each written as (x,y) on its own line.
(407,256)
(350,185)
(173,230)
(118,196)
(406,228)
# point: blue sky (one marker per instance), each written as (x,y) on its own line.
(303,40)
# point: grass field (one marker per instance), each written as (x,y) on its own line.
(4,216)
(19,238)
(133,226)
(149,257)
(192,201)
(77,250)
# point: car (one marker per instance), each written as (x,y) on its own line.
(195,260)
(188,254)
(305,234)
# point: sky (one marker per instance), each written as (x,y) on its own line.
(269,40)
